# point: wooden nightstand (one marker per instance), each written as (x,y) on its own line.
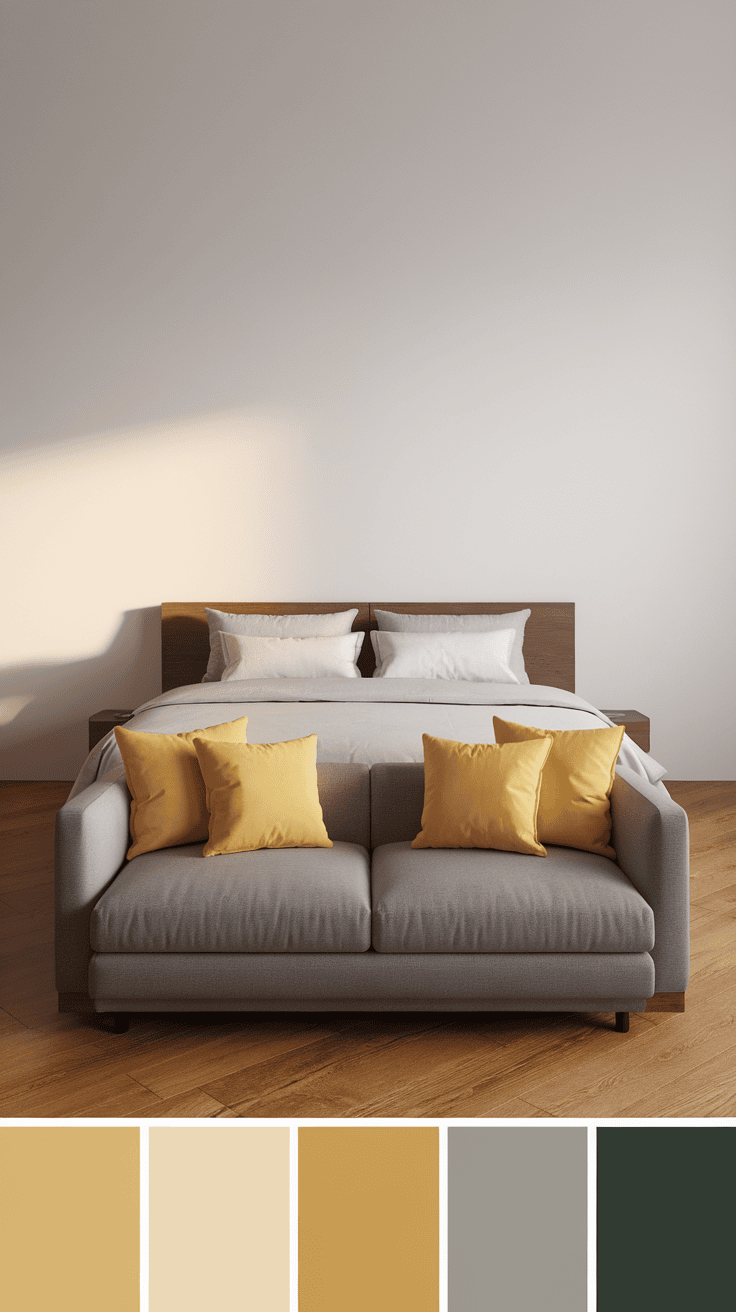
(635,724)
(102,722)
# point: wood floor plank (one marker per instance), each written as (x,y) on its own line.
(603,1086)
(37,1009)
(193,1103)
(353,1086)
(220,1057)
(9,1026)
(706,989)
(518,1107)
(723,900)
(42,1071)
(271,1077)
(716,936)
(713,955)
(71,1096)
(484,1081)
(510,1065)
(709,1089)
(27,1052)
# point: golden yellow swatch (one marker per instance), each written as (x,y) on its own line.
(69,1219)
(368,1219)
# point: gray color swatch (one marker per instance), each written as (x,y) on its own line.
(517,1221)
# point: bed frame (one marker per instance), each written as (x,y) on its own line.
(549,638)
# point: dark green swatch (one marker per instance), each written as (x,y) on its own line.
(666,1219)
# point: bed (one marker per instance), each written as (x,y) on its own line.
(367,720)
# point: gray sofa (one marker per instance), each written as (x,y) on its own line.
(370,924)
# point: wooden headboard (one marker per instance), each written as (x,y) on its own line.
(549,639)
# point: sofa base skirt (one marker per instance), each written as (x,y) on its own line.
(370,981)
(188,1005)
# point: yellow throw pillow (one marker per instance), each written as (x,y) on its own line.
(574,808)
(482,795)
(264,795)
(169,806)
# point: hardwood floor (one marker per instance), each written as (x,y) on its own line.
(669,1064)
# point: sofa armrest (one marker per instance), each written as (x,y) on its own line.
(92,837)
(651,838)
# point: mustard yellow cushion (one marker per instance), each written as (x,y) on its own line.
(482,795)
(264,795)
(574,808)
(169,805)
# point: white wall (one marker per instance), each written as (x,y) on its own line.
(334,299)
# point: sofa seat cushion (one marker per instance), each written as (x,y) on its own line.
(282,900)
(450,900)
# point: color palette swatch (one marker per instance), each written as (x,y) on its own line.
(218,1219)
(69,1219)
(359,1217)
(666,1218)
(369,1219)
(517,1219)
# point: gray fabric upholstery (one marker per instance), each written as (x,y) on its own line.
(90,844)
(445,900)
(371,976)
(345,798)
(110,1004)
(92,837)
(397,802)
(650,835)
(309,899)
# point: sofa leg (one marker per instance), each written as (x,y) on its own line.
(121,1022)
(622,1022)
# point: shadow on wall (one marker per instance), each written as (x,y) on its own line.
(44,709)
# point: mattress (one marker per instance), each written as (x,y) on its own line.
(363,720)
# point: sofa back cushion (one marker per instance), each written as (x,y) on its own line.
(397,801)
(344,794)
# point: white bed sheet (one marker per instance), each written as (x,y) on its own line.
(363,720)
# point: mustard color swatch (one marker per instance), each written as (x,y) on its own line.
(218,1219)
(368,1219)
(69,1219)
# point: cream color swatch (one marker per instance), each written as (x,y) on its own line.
(219,1219)
(69,1219)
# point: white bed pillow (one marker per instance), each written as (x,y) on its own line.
(472,657)
(270,626)
(291,658)
(390,621)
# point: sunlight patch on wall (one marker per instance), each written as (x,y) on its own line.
(193,507)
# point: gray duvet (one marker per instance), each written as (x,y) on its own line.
(364,720)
